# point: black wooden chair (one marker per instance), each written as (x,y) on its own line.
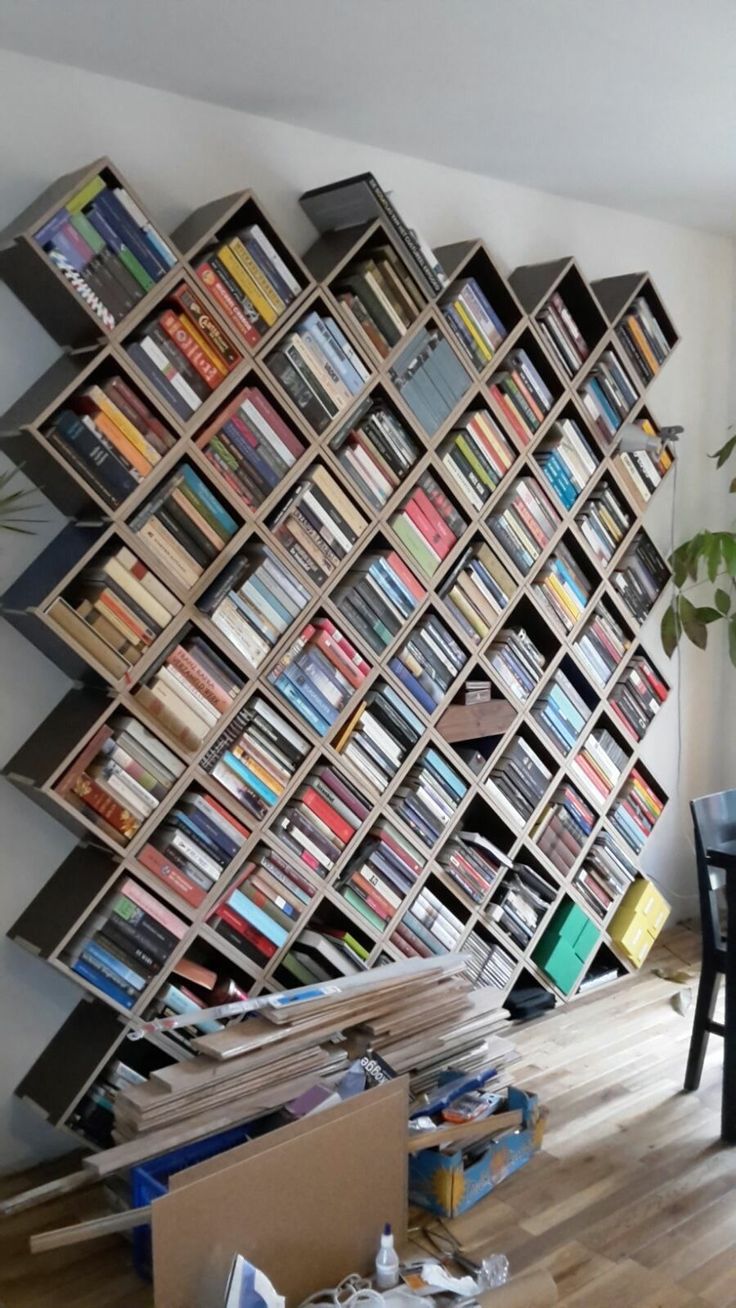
(714,821)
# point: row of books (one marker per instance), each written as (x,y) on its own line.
(640,577)
(184,525)
(564,338)
(321,820)
(477,590)
(430,378)
(120,777)
(256,756)
(110,436)
(517,662)
(322,955)
(188,690)
(473,321)
(477,456)
(376,450)
(428,927)
(261,908)
(640,470)
(561,712)
(518,782)
(489,964)
(643,340)
(429,796)
(566,459)
(252,284)
(604,521)
(378,597)
(562,588)
(563,827)
(182,351)
(428,661)
(379,736)
(524,522)
(605,875)
(599,765)
(125,943)
(608,395)
(191,987)
(519,396)
(380,298)
(380,875)
(251,446)
(636,810)
(428,524)
(638,696)
(106,249)
(254,600)
(520,903)
(115,609)
(194,844)
(318,368)
(602,643)
(318,525)
(318,673)
(474,864)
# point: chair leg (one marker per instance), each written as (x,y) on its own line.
(704,1009)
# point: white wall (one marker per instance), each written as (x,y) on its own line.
(179,153)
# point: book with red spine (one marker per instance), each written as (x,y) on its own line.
(133,890)
(119,818)
(269,414)
(343,793)
(206,326)
(435,517)
(398,849)
(426,528)
(324,811)
(593,776)
(657,685)
(85,757)
(145,419)
(344,648)
(154,861)
(406,576)
(190,349)
(505,411)
(228,303)
(529,521)
(372,897)
(296,647)
(616,708)
(244,930)
(418,946)
(528,396)
(224,813)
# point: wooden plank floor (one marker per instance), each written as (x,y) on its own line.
(630,1204)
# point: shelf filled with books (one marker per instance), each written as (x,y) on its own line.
(359,634)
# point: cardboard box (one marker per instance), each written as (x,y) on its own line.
(445,1185)
(566,945)
(638,920)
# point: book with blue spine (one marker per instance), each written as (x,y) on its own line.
(111,208)
(98,956)
(262,922)
(435,761)
(345,370)
(205,826)
(227,524)
(269,797)
(302,706)
(103,983)
(302,682)
(411,683)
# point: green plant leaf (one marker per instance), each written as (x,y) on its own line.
(732,639)
(707,614)
(670,630)
(722,601)
(723,455)
(728,550)
(714,556)
(679,562)
(695,630)
(698,550)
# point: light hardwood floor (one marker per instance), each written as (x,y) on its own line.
(632,1203)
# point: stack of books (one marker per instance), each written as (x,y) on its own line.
(606,874)
(477,590)
(563,828)
(379,735)
(638,696)
(251,446)
(184,525)
(259,910)
(376,450)
(428,798)
(319,673)
(473,863)
(518,782)
(378,597)
(183,352)
(517,662)
(191,849)
(115,609)
(318,525)
(428,662)
(254,600)
(126,942)
(640,577)
(428,927)
(321,820)
(604,521)
(524,523)
(608,394)
(250,282)
(489,964)
(473,321)
(599,765)
(94,1115)
(380,875)
(256,756)
(566,342)
(200,987)
(380,298)
(520,903)
(428,524)
(120,777)
(642,471)
(477,456)
(430,378)
(106,249)
(602,643)
(318,368)
(567,460)
(111,437)
(561,712)
(519,396)
(323,955)
(562,588)
(643,340)
(189,690)
(636,810)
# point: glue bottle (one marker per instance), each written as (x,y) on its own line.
(387,1262)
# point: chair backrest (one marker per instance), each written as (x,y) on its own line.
(714,822)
